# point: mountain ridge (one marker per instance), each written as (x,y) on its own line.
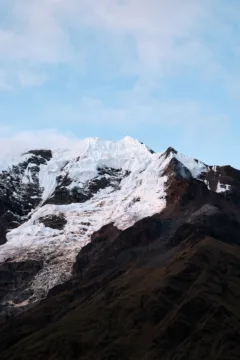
(133,209)
(124,171)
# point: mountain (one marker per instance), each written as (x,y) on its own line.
(112,251)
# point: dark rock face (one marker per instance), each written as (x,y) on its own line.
(17,275)
(107,177)
(8,221)
(63,196)
(226,175)
(54,221)
(18,197)
(42,154)
(169,151)
(15,279)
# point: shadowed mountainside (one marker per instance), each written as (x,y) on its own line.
(186,308)
(166,288)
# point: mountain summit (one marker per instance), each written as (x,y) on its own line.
(80,218)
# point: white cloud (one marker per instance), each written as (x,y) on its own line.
(146,39)
(28,79)
(13,143)
(31,38)
(145,36)
(33,33)
(4,81)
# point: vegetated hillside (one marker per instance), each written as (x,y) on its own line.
(167,287)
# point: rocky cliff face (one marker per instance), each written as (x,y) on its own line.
(135,253)
(20,190)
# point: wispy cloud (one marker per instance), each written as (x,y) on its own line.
(30,79)
(15,142)
(143,36)
(189,121)
(124,63)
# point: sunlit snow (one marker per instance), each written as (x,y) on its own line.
(142,193)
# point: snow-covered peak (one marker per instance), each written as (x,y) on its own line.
(94,183)
(127,141)
(80,163)
(131,142)
(97,148)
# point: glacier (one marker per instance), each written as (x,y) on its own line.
(141,192)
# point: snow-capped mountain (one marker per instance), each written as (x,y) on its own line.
(117,242)
(52,201)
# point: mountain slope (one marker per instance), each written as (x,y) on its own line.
(152,302)
(143,238)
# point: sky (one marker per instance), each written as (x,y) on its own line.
(164,72)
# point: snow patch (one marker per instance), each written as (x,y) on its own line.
(222,187)
(194,166)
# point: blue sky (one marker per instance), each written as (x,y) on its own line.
(165,72)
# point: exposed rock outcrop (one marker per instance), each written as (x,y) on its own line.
(15,286)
